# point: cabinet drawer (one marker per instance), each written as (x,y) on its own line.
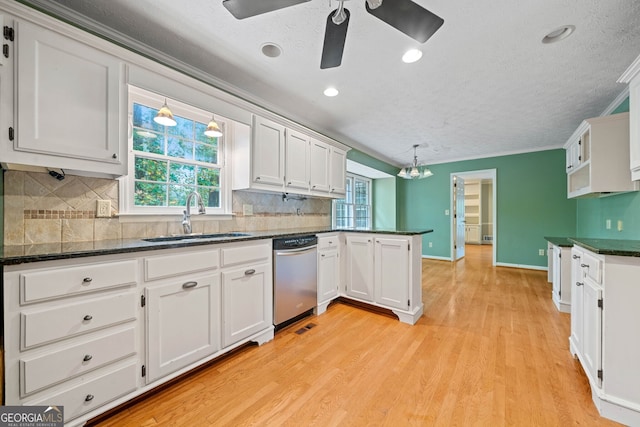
(180,263)
(36,372)
(328,242)
(592,267)
(246,254)
(92,394)
(43,326)
(60,282)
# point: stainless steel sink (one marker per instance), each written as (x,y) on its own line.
(183,237)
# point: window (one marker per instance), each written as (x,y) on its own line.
(354,211)
(166,163)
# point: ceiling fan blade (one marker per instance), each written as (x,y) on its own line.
(246,8)
(408,17)
(334,38)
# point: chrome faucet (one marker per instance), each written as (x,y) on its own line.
(186,217)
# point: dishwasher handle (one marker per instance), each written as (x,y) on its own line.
(293,252)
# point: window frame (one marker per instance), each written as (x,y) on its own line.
(178,108)
(352,205)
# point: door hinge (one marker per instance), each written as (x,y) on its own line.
(8,33)
(600,374)
(559,293)
(409,247)
(143,301)
(11,136)
(144,371)
(601,303)
(5,50)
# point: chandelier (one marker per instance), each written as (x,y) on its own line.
(414,171)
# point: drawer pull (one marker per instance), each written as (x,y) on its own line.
(191,284)
(249,272)
(87,280)
(88,317)
(579,283)
(89,398)
(584,265)
(576,257)
(87,357)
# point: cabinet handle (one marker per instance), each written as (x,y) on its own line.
(87,357)
(330,242)
(87,280)
(289,183)
(576,257)
(314,186)
(257,178)
(322,255)
(569,167)
(87,317)
(579,283)
(89,398)
(249,272)
(191,284)
(584,265)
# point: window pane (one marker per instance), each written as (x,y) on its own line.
(178,195)
(184,128)
(211,197)
(206,153)
(179,148)
(208,177)
(150,194)
(143,118)
(348,197)
(147,141)
(150,170)
(362,193)
(182,173)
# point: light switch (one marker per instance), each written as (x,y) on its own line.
(608,224)
(619,225)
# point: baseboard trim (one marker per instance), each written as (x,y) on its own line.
(528,267)
(441,258)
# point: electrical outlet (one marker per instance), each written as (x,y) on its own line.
(247,210)
(608,224)
(446,212)
(619,225)
(541,252)
(103,209)
(430,244)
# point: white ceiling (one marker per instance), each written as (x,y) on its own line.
(485,85)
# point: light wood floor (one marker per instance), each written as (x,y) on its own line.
(491,350)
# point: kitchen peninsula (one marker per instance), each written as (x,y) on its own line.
(117,318)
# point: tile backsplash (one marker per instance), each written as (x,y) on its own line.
(41,209)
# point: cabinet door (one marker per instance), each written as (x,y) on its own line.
(183,323)
(592,332)
(474,234)
(338,176)
(577,300)
(328,275)
(634,127)
(360,267)
(247,296)
(392,272)
(268,152)
(68,103)
(320,155)
(297,160)
(557,273)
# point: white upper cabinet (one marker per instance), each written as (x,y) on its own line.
(594,154)
(69,105)
(338,175)
(268,152)
(632,76)
(319,155)
(297,161)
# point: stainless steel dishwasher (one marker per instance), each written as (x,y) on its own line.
(295,268)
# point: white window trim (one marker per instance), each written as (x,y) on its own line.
(126,184)
(353,204)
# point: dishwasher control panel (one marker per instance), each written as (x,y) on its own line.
(295,242)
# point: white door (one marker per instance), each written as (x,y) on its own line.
(592,333)
(338,171)
(297,163)
(458,216)
(577,300)
(360,267)
(268,152)
(319,166)
(392,272)
(328,274)
(183,320)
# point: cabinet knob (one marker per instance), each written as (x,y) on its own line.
(115,155)
(257,178)
(87,357)
(89,398)
(579,283)
(322,255)
(569,167)
(87,280)
(87,317)
(289,183)
(249,272)
(584,265)
(190,284)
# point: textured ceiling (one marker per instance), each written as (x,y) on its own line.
(485,85)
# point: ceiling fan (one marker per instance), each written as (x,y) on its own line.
(404,15)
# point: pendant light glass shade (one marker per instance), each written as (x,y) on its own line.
(213,130)
(414,171)
(165,116)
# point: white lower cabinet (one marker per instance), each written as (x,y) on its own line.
(561,277)
(183,323)
(604,318)
(385,270)
(329,271)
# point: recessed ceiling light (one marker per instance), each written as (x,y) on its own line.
(271,50)
(558,34)
(331,91)
(412,55)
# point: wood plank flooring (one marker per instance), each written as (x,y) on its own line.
(491,350)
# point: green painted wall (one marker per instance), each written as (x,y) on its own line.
(384,203)
(531,203)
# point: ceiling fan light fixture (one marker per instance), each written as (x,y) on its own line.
(374,4)
(411,56)
(331,92)
(165,116)
(213,130)
(558,34)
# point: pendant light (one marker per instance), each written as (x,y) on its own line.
(213,130)
(414,171)
(165,116)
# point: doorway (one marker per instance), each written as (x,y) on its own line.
(474,223)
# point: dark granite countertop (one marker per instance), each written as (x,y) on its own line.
(559,241)
(609,246)
(19,254)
